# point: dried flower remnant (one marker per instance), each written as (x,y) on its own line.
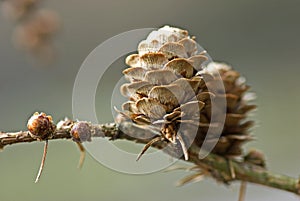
(172,89)
(18,9)
(41,126)
(35,35)
(34,29)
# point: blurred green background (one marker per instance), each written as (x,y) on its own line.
(259,38)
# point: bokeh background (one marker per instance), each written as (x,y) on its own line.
(259,38)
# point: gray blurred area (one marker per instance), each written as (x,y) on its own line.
(259,38)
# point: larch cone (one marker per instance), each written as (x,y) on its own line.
(174,87)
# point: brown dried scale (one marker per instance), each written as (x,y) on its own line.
(135,73)
(160,77)
(169,95)
(181,66)
(151,108)
(173,88)
(173,50)
(133,60)
(135,90)
(197,61)
(153,60)
(190,46)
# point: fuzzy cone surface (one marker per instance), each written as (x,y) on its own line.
(175,89)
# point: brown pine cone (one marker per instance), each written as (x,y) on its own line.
(176,89)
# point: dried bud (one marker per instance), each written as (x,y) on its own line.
(40,126)
(255,157)
(81,132)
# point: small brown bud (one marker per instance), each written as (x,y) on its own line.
(81,132)
(40,126)
(256,157)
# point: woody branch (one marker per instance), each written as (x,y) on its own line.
(213,164)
